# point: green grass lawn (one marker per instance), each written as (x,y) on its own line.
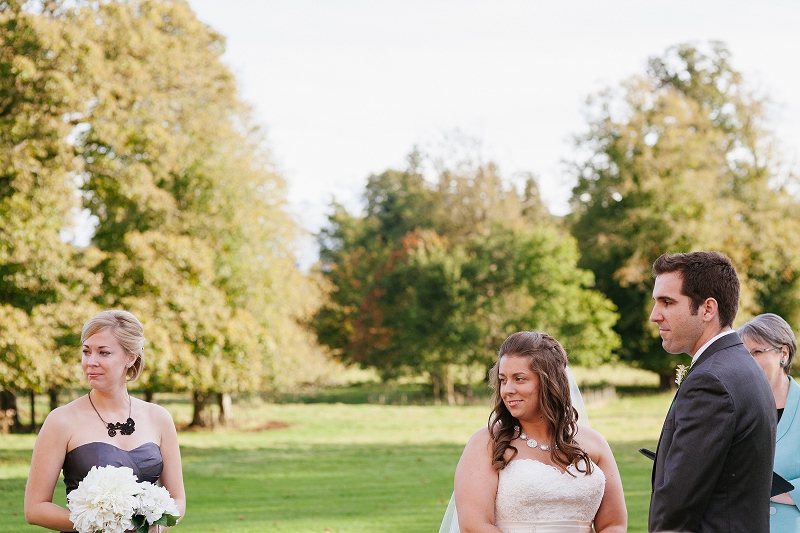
(343,468)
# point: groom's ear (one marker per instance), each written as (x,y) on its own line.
(709,310)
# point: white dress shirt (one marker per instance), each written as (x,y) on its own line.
(707,344)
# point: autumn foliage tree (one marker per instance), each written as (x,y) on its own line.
(44,281)
(434,276)
(125,109)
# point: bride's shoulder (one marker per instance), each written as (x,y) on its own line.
(479,439)
(591,441)
(585,432)
(482,435)
(478,449)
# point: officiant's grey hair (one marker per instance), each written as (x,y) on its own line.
(773,330)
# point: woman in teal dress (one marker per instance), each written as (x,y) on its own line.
(770,340)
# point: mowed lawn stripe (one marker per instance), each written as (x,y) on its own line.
(342,468)
(346,488)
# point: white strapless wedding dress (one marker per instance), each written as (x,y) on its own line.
(533,497)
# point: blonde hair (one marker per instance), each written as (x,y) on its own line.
(128,331)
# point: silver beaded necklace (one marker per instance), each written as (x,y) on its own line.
(532,443)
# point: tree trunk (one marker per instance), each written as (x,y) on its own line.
(33,411)
(148,395)
(199,403)
(437,389)
(667,381)
(225,408)
(449,385)
(8,406)
(53,393)
(469,395)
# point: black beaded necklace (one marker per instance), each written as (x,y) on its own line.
(126,429)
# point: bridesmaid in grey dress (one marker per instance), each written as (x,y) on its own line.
(106,427)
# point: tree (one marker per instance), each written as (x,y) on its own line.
(682,162)
(432,278)
(128,104)
(191,214)
(43,279)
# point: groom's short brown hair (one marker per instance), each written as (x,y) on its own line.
(705,275)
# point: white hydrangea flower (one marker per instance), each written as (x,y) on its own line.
(105,500)
(155,501)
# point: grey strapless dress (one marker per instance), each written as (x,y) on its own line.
(145,461)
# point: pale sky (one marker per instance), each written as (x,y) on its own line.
(347,88)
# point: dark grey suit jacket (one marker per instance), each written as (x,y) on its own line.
(713,466)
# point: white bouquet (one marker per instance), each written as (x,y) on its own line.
(155,508)
(110,500)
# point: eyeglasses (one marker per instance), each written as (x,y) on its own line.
(757,352)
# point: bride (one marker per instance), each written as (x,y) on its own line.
(533,468)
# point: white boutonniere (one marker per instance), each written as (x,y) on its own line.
(680,373)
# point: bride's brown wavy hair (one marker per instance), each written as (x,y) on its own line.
(548,359)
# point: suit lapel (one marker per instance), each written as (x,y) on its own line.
(726,341)
(716,346)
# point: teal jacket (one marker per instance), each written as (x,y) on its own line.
(786,518)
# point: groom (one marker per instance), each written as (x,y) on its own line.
(713,465)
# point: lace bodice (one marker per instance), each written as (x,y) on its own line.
(529,490)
